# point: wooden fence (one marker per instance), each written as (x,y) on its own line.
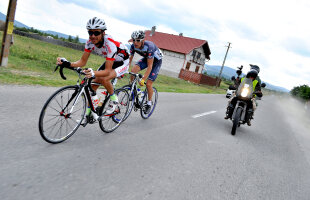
(197,78)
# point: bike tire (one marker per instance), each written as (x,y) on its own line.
(236,120)
(109,123)
(145,115)
(131,101)
(52,117)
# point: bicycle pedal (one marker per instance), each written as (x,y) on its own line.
(84,124)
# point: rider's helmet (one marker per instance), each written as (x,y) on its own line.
(96,23)
(138,35)
(255,67)
(252,74)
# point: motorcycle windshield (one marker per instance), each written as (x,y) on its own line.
(245,89)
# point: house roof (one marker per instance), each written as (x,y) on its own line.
(177,43)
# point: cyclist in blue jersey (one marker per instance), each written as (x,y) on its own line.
(151,61)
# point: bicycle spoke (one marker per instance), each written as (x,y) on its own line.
(53,126)
(54,109)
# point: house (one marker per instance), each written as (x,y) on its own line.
(180,53)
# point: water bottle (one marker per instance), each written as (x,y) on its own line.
(101,98)
(95,101)
(140,95)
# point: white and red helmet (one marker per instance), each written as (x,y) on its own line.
(96,23)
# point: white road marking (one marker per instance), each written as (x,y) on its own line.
(203,114)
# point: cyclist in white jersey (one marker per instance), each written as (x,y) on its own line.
(115,53)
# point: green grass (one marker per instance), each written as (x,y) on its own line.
(32,62)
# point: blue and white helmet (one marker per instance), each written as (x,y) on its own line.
(96,23)
(140,35)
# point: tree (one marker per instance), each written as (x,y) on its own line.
(302,92)
(70,38)
(76,39)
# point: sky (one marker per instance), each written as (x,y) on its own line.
(273,34)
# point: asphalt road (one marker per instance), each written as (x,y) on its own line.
(184,151)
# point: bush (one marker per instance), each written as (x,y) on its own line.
(302,92)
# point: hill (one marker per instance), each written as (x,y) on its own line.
(228,72)
(16,23)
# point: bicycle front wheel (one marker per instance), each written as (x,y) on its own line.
(62,114)
(109,123)
(146,113)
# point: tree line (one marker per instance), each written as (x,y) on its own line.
(33,30)
(302,92)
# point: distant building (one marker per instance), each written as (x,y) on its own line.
(180,53)
(49,37)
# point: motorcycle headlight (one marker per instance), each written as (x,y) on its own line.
(245,91)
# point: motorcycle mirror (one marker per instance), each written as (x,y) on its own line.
(233,78)
(263,85)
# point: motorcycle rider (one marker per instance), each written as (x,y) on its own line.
(255,67)
(252,74)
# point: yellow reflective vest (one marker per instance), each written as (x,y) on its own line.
(254,83)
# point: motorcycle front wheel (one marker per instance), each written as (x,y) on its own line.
(236,120)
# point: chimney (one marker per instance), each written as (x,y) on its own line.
(180,34)
(153,30)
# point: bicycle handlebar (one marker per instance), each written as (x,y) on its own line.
(78,70)
(134,74)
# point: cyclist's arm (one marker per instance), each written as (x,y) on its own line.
(149,68)
(83,60)
(130,59)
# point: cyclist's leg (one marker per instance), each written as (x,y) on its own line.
(120,69)
(152,77)
(140,65)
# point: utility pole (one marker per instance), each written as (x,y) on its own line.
(219,78)
(7,33)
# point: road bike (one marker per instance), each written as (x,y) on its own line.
(64,111)
(138,99)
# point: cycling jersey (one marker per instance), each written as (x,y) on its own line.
(111,49)
(149,50)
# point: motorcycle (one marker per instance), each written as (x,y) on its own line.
(242,113)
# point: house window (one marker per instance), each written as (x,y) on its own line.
(188,65)
(198,55)
(197,69)
(194,53)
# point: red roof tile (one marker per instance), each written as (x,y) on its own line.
(174,43)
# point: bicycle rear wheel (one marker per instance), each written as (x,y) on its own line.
(131,100)
(109,123)
(62,114)
(143,111)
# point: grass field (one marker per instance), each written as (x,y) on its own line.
(32,62)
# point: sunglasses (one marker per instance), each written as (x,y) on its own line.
(96,33)
(136,40)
